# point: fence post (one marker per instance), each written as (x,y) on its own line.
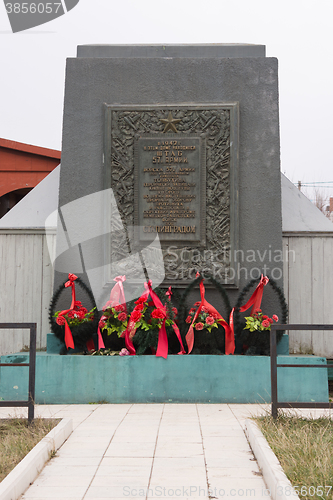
(32,373)
(273,372)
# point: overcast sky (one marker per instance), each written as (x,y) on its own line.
(298,32)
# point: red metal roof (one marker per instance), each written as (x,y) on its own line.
(27,148)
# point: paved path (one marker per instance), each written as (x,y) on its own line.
(157,451)
(163,451)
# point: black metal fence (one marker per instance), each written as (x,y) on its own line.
(274,366)
(32,368)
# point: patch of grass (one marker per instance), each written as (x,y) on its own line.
(18,437)
(304,448)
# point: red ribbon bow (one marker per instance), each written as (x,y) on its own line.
(254,301)
(229,337)
(117,295)
(68,334)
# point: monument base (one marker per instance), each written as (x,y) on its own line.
(82,379)
(55,346)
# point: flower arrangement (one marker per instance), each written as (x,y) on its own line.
(149,317)
(205,319)
(114,319)
(259,321)
(76,316)
(152,324)
(141,321)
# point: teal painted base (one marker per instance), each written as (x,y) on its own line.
(147,379)
(55,346)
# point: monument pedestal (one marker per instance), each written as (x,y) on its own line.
(81,379)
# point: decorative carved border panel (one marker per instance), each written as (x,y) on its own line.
(194,211)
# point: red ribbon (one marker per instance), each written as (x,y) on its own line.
(169,293)
(229,337)
(117,293)
(254,301)
(100,339)
(68,334)
(177,332)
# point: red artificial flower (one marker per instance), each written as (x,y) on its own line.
(210,320)
(84,309)
(270,320)
(80,314)
(174,310)
(188,319)
(139,307)
(71,313)
(265,316)
(275,317)
(199,326)
(77,305)
(158,313)
(266,323)
(140,300)
(192,310)
(197,304)
(136,316)
(60,320)
(119,308)
(122,316)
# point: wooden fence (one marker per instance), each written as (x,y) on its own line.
(26,283)
(308,287)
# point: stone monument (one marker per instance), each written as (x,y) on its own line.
(170,165)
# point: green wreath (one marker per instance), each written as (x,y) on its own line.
(258,341)
(205,342)
(81,333)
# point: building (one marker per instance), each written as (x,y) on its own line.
(22,167)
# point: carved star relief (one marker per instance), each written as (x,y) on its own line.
(170,123)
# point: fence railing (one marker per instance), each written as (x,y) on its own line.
(274,366)
(32,368)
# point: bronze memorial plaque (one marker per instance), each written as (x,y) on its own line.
(173,172)
(169,186)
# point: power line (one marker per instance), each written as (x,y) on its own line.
(313,182)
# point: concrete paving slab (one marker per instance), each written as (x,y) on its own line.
(123,470)
(72,492)
(130,450)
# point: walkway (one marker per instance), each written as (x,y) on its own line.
(165,451)
(159,451)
